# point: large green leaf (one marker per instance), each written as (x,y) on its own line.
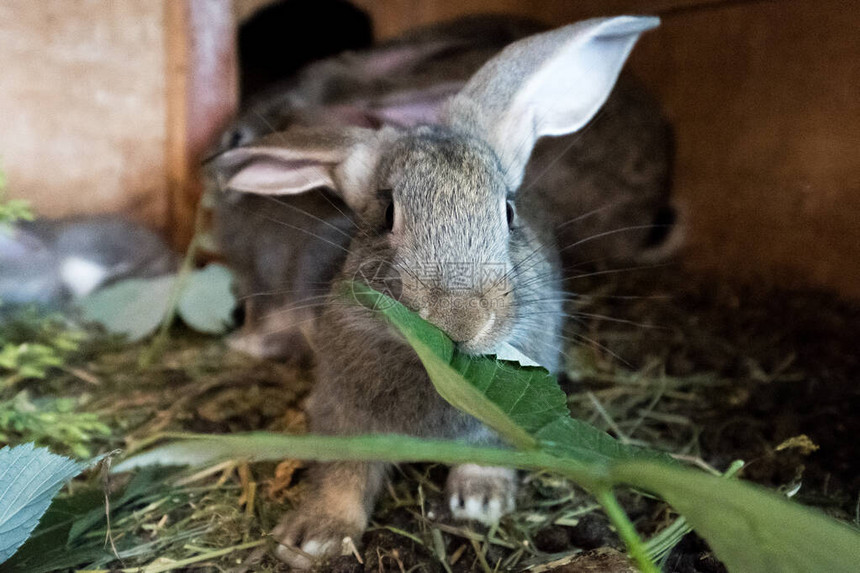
(524,405)
(29,478)
(203,449)
(749,528)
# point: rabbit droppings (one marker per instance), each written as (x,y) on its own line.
(437,220)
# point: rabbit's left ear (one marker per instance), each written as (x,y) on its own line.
(547,84)
(291,162)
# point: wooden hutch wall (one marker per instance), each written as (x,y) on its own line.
(765,99)
(101,112)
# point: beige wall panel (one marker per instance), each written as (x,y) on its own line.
(82,105)
(763,95)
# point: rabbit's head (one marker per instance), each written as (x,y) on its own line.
(436,204)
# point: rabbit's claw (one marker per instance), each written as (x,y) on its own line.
(479,493)
(306,537)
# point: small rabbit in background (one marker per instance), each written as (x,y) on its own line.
(605,189)
(50,262)
(435,206)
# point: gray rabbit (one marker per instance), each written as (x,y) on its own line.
(285,251)
(438,215)
(50,262)
(605,190)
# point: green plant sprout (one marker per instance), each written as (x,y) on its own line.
(12,210)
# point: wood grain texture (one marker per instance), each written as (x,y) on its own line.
(82,106)
(393,16)
(107,106)
(202,96)
(765,98)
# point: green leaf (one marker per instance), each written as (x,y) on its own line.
(203,449)
(29,479)
(136,307)
(133,307)
(436,352)
(524,405)
(47,549)
(207,302)
(749,528)
(71,534)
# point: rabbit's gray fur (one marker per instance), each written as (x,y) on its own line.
(605,190)
(53,261)
(284,257)
(352,87)
(437,197)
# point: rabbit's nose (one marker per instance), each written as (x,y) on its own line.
(466,322)
(477,342)
(472,329)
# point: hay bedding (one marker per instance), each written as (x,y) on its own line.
(662,358)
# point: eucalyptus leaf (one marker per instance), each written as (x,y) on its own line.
(136,307)
(207,301)
(29,478)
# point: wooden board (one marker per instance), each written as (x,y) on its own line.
(82,106)
(765,97)
(108,106)
(202,96)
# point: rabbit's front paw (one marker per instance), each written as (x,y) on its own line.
(484,494)
(311,534)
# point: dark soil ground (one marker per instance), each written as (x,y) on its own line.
(660,358)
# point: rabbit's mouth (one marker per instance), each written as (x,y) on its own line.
(477,324)
(483,340)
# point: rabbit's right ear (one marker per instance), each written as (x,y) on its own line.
(298,160)
(547,84)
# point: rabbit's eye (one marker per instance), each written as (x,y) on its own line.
(389,216)
(511,213)
(235,139)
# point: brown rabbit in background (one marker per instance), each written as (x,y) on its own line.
(435,207)
(605,189)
